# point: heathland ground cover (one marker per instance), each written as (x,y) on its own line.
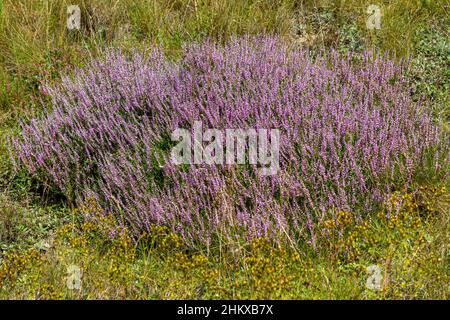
(90,206)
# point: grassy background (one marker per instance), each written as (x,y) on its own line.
(35,46)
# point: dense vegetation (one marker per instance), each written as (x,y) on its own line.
(363,177)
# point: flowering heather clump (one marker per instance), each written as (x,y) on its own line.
(348,131)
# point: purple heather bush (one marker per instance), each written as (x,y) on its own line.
(349,134)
